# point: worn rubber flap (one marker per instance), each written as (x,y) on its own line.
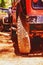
(23,38)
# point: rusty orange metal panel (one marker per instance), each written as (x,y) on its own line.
(31,11)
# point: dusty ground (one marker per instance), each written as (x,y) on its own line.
(22,61)
(8,57)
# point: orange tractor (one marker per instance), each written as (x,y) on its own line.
(30,13)
(34,9)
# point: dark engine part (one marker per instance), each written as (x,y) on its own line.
(36,37)
(37,43)
(7,23)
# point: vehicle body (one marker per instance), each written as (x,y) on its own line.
(32,11)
